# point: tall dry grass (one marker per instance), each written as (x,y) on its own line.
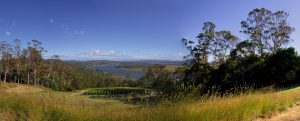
(58,106)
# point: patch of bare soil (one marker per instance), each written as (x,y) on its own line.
(4,116)
(291,114)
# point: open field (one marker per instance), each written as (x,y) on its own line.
(24,102)
(172,68)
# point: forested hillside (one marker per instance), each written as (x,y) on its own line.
(27,66)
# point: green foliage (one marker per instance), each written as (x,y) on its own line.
(164,83)
(279,69)
(161,78)
(282,66)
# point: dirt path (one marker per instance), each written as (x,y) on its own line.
(77,93)
(292,114)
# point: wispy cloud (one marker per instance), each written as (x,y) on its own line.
(77,32)
(7,33)
(71,32)
(68,31)
(51,21)
(12,25)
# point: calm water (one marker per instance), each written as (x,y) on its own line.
(120,72)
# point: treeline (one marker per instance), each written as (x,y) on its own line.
(27,66)
(219,61)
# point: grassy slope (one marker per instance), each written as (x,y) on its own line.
(43,104)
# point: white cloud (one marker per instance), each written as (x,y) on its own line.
(179,55)
(176,56)
(102,53)
(51,21)
(7,33)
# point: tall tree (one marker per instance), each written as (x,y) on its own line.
(18,57)
(6,52)
(280,30)
(213,43)
(267,31)
(223,43)
(257,28)
(26,52)
(35,50)
(55,68)
(200,52)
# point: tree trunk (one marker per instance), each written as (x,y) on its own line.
(34,77)
(18,74)
(5,75)
(28,76)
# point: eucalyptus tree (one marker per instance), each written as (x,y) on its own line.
(223,44)
(6,53)
(55,70)
(26,55)
(210,43)
(257,28)
(17,50)
(200,50)
(267,31)
(280,30)
(35,51)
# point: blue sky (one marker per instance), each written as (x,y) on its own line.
(126,29)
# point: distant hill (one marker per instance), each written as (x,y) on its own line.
(137,62)
(133,69)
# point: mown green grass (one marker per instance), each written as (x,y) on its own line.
(58,106)
(114,91)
